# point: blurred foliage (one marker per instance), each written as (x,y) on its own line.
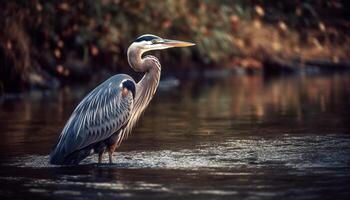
(66,39)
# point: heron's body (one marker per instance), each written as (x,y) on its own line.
(105,117)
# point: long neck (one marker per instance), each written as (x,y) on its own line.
(145,88)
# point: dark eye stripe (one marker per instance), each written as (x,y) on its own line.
(146,38)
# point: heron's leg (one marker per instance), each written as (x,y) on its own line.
(100,156)
(110,154)
(111,150)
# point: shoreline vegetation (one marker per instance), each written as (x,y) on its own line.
(45,44)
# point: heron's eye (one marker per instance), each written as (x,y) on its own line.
(155,41)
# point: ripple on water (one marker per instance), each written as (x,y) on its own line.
(299,152)
(73,187)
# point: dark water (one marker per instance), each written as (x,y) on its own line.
(238,138)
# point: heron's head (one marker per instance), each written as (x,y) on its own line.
(150,42)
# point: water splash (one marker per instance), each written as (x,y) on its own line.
(297,152)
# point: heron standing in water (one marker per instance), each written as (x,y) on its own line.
(105,117)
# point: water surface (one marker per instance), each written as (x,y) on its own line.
(238,137)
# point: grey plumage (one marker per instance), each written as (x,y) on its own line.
(100,114)
(106,116)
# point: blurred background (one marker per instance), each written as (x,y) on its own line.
(258,109)
(45,44)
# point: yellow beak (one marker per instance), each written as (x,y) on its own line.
(176,43)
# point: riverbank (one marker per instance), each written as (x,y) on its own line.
(50,44)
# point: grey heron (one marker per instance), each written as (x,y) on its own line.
(105,117)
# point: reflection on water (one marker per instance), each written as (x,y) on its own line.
(242,137)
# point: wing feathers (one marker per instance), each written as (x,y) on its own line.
(102,112)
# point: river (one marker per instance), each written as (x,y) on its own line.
(238,137)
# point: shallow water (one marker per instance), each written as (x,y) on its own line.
(238,137)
